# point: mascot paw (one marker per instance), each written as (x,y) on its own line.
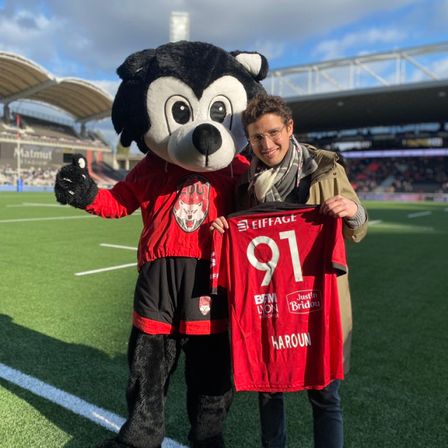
(74,186)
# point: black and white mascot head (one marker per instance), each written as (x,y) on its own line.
(183,101)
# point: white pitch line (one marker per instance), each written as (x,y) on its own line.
(36,204)
(406,227)
(111,268)
(117,246)
(418,214)
(52,218)
(68,401)
(375,222)
(95,414)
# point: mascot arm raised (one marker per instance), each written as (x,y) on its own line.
(74,186)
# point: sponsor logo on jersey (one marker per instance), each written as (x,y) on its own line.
(304,302)
(242,225)
(192,203)
(266,305)
(261,223)
(205,303)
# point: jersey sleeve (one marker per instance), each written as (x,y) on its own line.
(114,203)
(121,200)
(339,258)
(240,165)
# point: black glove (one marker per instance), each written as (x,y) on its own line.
(73,184)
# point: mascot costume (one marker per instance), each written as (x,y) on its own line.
(181,103)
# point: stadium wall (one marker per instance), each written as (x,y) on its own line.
(39,164)
(30,155)
(404,197)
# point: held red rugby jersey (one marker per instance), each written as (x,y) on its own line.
(279,267)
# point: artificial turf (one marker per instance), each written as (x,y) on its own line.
(71,331)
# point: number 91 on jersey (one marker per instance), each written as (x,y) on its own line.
(267,261)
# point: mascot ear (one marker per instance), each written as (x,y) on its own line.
(255,63)
(135,64)
(127,118)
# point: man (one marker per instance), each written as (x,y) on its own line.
(282,170)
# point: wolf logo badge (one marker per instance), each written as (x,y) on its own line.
(205,304)
(191,206)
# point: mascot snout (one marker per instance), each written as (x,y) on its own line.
(207,139)
(202,146)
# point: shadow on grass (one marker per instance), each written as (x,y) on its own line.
(83,433)
(85,372)
(77,369)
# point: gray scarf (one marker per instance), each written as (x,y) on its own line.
(275,183)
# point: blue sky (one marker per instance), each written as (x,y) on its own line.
(90,39)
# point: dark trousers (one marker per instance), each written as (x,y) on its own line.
(152,360)
(327,418)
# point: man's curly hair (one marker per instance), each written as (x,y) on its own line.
(265,104)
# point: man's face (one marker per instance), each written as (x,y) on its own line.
(269,138)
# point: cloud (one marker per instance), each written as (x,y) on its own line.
(94,37)
(271,50)
(358,42)
(439,68)
(30,35)
(109,86)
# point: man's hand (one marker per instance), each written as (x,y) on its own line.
(339,207)
(220,224)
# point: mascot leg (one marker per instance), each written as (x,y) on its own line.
(209,388)
(152,358)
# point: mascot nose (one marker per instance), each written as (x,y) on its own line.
(207,139)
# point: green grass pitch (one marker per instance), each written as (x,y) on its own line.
(71,331)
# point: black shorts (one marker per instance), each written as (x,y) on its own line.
(173,295)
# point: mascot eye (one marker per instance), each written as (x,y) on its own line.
(218,111)
(181,112)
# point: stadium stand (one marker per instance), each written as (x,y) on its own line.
(396,159)
(33,146)
(356,104)
(401,175)
(44,146)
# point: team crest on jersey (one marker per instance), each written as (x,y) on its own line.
(192,204)
(205,303)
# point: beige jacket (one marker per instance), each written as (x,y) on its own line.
(328,180)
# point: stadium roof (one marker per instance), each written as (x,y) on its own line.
(423,102)
(21,78)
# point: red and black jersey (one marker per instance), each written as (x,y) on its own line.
(177,206)
(174,250)
(279,267)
